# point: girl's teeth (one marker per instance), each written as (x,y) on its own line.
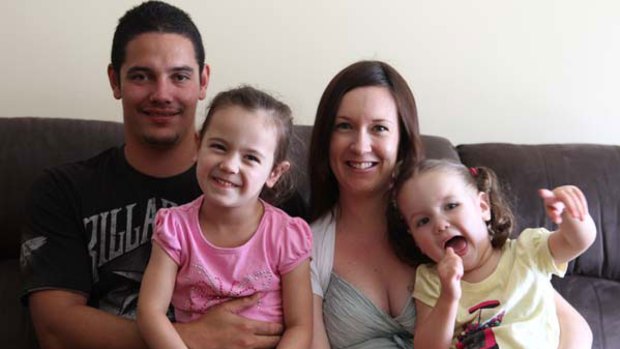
(223,182)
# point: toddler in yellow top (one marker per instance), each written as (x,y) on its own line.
(485,290)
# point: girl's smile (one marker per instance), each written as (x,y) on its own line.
(236,157)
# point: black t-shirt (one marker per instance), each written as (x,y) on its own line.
(90,225)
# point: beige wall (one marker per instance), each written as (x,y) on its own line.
(528,71)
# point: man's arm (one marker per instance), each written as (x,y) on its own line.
(221,328)
(62,319)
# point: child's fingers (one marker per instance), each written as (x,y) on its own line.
(546,194)
(450,253)
(567,197)
(571,202)
(581,204)
(553,205)
(454,263)
(450,269)
(574,200)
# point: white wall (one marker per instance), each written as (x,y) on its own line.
(527,71)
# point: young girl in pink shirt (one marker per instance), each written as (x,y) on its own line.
(229,243)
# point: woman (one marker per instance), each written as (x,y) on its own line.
(366,124)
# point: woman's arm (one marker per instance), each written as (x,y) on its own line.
(319,335)
(297,305)
(574,330)
(154,300)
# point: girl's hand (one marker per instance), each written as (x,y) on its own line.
(567,207)
(450,270)
(567,198)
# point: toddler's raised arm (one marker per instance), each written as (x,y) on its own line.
(567,206)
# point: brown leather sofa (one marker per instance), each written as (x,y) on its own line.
(27,145)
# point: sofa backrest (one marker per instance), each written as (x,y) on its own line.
(594,168)
(27,146)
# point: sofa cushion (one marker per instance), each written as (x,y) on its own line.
(27,146)
(16,330)
(594,168)
(597,301)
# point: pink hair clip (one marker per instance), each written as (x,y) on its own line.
(473,171)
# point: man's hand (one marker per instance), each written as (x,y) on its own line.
(221,328)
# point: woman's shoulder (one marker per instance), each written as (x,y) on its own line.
(324,226)
(323,247)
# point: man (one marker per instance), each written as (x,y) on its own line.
(90,223)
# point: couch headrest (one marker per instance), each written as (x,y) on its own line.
(523,169)
(30,144)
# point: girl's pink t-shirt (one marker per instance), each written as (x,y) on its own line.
(209,275)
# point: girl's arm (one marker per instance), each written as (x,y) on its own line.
(297,306)
(155,294)
(567,206)
(574,330)
(319,335)
(435,325)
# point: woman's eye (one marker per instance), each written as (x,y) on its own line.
(342,126)
(380,128)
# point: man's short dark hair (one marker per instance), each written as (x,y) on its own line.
(158,17)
